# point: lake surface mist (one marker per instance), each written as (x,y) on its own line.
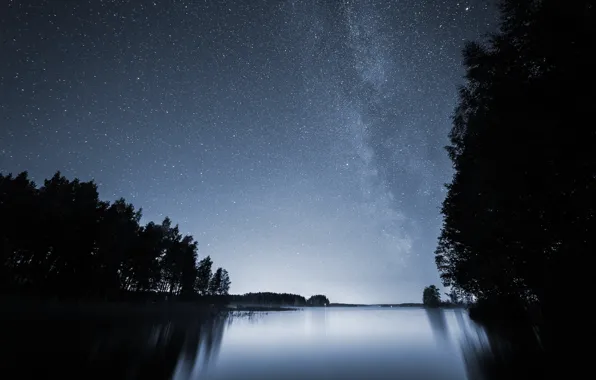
(313,343)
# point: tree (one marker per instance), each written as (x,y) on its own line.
(519,209)
(431,296)
(147,256)
(204,276)
(70,213)
(224,286)
(189,270)
(171,262)
(62,241)
(113,262)
(215,283)
(318,300)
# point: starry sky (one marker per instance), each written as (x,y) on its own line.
(299,142)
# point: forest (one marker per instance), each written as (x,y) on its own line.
(60,241)
(279,299)
(520,211)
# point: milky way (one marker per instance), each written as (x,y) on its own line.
(300,143)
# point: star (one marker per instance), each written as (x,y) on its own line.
(323,126)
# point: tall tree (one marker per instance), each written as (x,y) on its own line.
(113,261)
(204,276)
(215,283)
(522,200)
(147,257)
(172,258)
(70,213)
(188,275)
(224,286)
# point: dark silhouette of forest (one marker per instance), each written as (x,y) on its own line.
(59,241)
(269,298)
(519,215)
(278,299)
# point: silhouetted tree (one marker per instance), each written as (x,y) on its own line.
(147,256)
(70,214)
(224,286)
(520,210)
(189,271)
(61,241)
(113,261)
(318,300)
(204,276)
(215,283)
(431,296)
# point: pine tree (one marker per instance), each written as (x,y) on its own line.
(224,286)
(204,276)
(215,283)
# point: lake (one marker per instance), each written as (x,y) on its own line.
(313,343)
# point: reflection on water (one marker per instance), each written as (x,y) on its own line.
(200,350)
(314,343)
(438,324)
(123,350)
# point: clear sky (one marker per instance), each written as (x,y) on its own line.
(299,142)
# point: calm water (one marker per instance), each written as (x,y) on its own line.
(314,343)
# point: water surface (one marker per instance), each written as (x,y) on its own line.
(313,343)
(351,343)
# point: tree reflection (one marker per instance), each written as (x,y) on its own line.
(201,349)
(501,352)
(438,324)
(122,350)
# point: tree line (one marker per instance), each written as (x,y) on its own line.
(520,211)
(278,299)
(61,241)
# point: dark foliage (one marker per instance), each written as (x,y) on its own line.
(318,300)
(520,212)
(61,241)
(431,296)
(268,298)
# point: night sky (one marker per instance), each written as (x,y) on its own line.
(299,142)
